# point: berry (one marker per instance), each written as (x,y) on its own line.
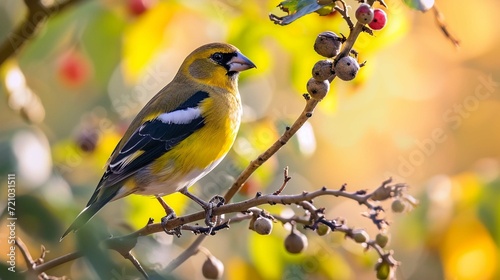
(346,68)
(364,14)
(327,44)
(317,89)
(138,7)
(398,206)
(383,269)
(87,139)
(382,239)
(73,69)
(263,226)
(360,236)
(323,229)
(322,70)
(379,19)
(212,268)
(295,242)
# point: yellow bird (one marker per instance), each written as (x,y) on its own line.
(181,134)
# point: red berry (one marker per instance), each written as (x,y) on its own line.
(379,19)
(73,69)
(137,7)
(364,13)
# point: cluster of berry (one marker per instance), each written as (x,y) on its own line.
(375,18)
(328,44)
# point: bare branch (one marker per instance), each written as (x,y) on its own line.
(286,178)
(25,252)
(58,261)
(343,11)
(193,249)
(123,244)
(444,28)
(136,264)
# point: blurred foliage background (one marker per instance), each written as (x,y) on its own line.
(420,111)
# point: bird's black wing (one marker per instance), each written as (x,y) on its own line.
(154,138)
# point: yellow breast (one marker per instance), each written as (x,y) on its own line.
(222,114)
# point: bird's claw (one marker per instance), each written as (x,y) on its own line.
(214,202)
(176,231)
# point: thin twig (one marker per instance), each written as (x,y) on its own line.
(136,264)
(343,11)
(190,251)
(310,208)
(57,261)
(442,25)
(286,178)
(25,252)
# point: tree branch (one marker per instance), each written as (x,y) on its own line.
(186,254)
(123,244)
(57,262)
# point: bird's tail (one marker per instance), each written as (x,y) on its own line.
(97,201)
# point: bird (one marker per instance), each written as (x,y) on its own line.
(179,136)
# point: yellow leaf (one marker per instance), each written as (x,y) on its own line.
(144,38)
(267,254)
(466,189)
(237,268)
(468,251)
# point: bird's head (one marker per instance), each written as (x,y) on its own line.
(216,64)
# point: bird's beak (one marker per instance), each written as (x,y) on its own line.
(240,63)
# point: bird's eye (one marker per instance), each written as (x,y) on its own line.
(217,57)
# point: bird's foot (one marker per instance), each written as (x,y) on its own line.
(170,215)
(213,203)
(209,206)
(176,231)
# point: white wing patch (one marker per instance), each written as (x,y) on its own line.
(180,116)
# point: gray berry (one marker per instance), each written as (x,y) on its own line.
(322,70)
(212,268)
(346,68)
(295,242)
(398,206)
(317,89)
(360,236)
(263,225)
(382,239)
(327,44)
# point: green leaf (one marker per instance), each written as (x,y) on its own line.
(61,29)
(419,5)
(297,9)
(102,34)
(488,209)
(36,217)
